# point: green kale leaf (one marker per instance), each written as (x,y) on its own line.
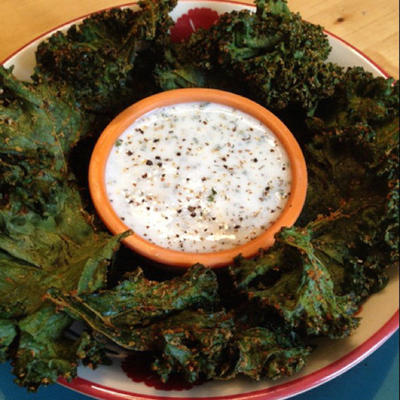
(120,313)
(104,58)
(46,238)
(262,355)
(303,293)
(195,345)
(44,353)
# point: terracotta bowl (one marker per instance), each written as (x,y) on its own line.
(175,258)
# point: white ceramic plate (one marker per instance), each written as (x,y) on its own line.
(331,358)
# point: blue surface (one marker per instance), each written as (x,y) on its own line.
(376,378)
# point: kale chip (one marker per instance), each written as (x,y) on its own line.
(106,59)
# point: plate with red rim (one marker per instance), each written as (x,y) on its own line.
(380,315)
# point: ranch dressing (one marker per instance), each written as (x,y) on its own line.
(198,177)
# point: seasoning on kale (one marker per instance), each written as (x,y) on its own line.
(262,353)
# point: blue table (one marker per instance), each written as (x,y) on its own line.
(376,378)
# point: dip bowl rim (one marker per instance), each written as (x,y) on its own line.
(181,259)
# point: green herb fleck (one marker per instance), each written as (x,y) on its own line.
(211,197)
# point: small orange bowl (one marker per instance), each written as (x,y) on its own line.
(175,258)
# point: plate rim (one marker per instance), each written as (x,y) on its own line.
(280,391)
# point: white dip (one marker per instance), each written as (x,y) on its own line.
(198,177)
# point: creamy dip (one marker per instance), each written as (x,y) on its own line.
(198,177)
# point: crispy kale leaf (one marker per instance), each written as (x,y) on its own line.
(195,345)
(120,313)
(262,353)
(360,103)
(44,353)
(40,124)
(272,56)
(46,238)
(105,58)
(356,146)
(303,292)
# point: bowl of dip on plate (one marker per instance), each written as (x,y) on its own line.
(198,176)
